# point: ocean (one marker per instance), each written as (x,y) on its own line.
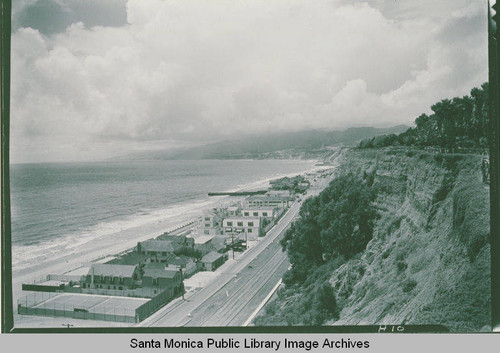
(57,207)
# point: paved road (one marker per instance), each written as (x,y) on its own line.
(232,297)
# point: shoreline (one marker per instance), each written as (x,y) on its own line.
(125,239)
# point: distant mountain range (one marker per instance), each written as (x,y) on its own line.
(256,146)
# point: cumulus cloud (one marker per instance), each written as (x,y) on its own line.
(186,71)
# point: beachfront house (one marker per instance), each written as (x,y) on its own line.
(283,193)
(262,201)
(233,210)
(130,258)
(265,212)
(205,244)
(112,276)
(212,260)
(156,280)
(209,247)
(158,250)
(209,224)
(247,226)
(178,240)
(182,263)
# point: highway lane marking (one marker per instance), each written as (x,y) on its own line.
(277,230)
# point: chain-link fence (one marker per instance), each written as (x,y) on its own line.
(87,307)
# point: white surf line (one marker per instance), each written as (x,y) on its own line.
(261,305)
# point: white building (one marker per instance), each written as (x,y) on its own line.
(258,212)
(209,224)
(233,210)
(284,193)
(264,201)
(248,225)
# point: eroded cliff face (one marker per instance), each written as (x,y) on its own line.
(429,259)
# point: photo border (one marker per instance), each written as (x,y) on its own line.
(7,322)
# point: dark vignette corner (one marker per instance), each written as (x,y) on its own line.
(6,289)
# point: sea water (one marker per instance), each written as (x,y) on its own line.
(56,207)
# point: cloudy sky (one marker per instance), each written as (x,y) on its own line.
(93,79)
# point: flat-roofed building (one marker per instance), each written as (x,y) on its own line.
(210,219)
(209,224)
(248,225)
(266,212)
(233,210)
(283,193)
(263,201)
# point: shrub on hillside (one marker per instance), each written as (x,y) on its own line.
(338,222)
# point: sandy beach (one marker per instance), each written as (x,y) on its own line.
(125,239)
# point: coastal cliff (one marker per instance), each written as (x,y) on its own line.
(428,259)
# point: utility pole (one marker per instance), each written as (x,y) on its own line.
(232,241)
(182,281)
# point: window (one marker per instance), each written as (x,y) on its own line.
(264,214)
(155,281)
(247,214)
(229,224)
(249,230)
(256,214)
(207,225)
(240,224)
(207,232)
(250,224)
(164,253)
(207,219)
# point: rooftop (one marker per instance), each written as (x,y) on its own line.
(267,198)
(210,247)
(241,218)
(211,257)
(158,273)
(203,239)
(177,239)
(180,260)
(157,245)
(112,270)
(131,258)
(155,265)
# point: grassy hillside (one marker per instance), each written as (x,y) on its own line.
(428,258)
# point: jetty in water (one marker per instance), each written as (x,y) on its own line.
(238,193)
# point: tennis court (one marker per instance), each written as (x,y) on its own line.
(95,307)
